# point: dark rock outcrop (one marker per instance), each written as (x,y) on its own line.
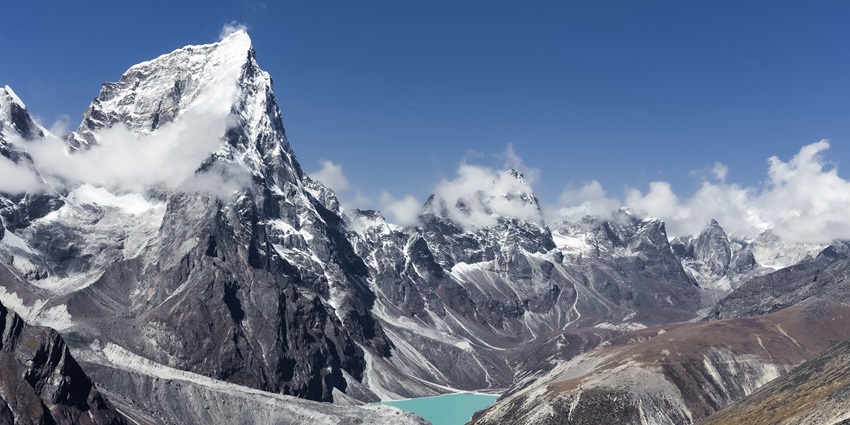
(41,383)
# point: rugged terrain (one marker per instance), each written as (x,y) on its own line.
(816,392)
(217,285)
(41,383)
(684,372)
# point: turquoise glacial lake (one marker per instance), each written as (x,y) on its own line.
(449,409)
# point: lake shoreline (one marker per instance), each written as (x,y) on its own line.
(455,408)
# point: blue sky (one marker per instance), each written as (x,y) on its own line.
(399,93)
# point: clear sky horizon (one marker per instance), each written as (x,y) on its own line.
(399,93)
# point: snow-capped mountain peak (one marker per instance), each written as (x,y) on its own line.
(199,117)
(8,97)
(479,199)
(519,176)
(150,94)
(13,113)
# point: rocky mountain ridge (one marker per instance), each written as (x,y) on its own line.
(813,393)
(241,270)
(42,383)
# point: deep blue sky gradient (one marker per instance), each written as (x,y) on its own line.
(399,92)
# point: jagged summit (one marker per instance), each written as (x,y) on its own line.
(274,287)
(712,248)
(205,78)
(211,106)
(8,97)
(14,115)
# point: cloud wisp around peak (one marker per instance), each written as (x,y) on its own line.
(802,199)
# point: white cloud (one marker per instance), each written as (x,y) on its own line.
(15,178)
(59,127)
(222,179)
(474,197)
(332,176)
(129,162)
(477,195)
(660,201)
(589,199)
(802,200)
(232,27)
(720,171)
(512,160)
(403,211)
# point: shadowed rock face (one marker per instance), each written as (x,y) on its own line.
(712,255)
(260,288)
(509,294)
(40,383)
(271,288)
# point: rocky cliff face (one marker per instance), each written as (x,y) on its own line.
(473,306)
(629,262)
(822,277)
(255,287)
(716,262)
(41,383)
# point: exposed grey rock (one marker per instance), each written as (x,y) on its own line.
(41,383)
(631,264)
(19,209)
(820,277)
(163,396)
(712,249)
(816,392)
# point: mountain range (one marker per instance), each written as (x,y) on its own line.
(191,271)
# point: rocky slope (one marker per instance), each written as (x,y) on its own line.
(23,202)
(41,383)
(236,273)
(816,392)
(472,307)
(823,276)
(673,375)
(681,373)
